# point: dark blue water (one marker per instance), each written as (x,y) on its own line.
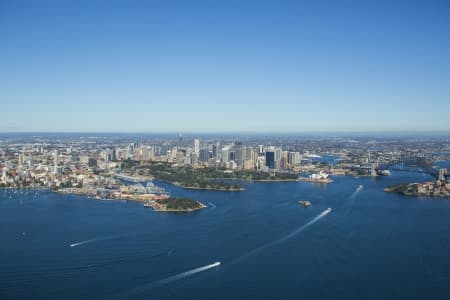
(372,245)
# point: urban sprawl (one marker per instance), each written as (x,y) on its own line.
(121,167)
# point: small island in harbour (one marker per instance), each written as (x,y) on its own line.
(305,203)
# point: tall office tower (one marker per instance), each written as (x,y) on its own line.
(225,154)
(144,153)
(174,153)
(106,156)
(180,139)
(215,150)
(284,160)
(238,155)
(164,149)
(273,157)
(248,153)
(278,156)
(248,158)
(151,153)
(294,158)
(204,155)
(114,154)
(196,146)
(194,159)
(270,159)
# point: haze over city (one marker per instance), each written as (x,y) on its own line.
(224,66)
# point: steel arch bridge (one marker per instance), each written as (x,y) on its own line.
(414,164)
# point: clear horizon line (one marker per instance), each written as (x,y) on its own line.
(232,132)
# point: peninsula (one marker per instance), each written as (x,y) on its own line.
(208,178)
(439,188)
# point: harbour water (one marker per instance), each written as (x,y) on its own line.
(371,245)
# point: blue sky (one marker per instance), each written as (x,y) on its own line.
(215,66)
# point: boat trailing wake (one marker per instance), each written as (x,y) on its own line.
(92,241)
(352,199)
(356,192)
(155,284)
(184,274)
(212,204)
(287,237)
(301,228)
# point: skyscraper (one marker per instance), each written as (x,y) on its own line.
(180,139)
(270,159)
(238,153)
(204,155)
(215,150)
(273,157)
(196,146)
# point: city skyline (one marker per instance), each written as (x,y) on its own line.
(238,149)
(100,66)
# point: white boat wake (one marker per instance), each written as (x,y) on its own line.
(352,199)
(287,237)
(155,284)
(92,241)
(301,228)
(355,193)
(212,204)
(185,274)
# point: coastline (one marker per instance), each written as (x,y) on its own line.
(425,190)
(205,189)
(304,179)
(202,206)
(147,199)
(271,180)
(212,189)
